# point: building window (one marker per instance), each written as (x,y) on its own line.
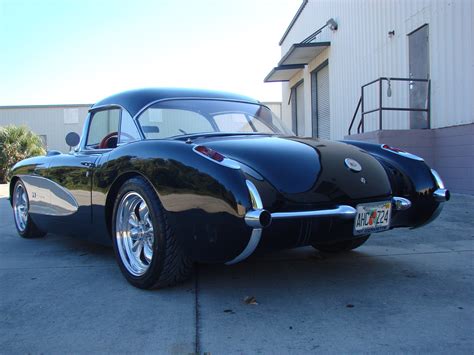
(297,108)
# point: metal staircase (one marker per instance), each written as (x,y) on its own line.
(420,89)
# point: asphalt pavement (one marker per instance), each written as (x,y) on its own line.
(404,291)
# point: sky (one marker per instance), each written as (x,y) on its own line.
(80,51)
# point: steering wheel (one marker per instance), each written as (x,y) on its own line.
(104,143)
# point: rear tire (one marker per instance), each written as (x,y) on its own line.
(146,249)
(341,246)
(25,226)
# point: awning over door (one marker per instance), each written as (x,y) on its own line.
(303,53)
(283,73)
(299,55)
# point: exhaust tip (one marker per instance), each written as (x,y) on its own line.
(258,218)
(265,218)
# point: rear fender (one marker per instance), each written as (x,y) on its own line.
(409,178)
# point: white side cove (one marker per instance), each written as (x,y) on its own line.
(47,197)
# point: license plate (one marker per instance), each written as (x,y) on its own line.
(372,217)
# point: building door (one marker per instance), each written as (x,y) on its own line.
(419,66)
(297,109)
(320,102)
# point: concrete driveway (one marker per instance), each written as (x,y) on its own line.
(403,292)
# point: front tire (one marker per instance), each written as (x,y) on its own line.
(25,226)
(341,246)
(145,247)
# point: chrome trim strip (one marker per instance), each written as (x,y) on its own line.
(250,248)
(257,203)
(343,211)
(400,203)
(106,107)
(438,180)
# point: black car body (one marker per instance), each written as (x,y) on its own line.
(227,178)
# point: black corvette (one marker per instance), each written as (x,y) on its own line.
(174,176)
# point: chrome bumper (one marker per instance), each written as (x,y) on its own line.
(259,218)
(441,194)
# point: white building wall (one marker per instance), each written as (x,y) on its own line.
(362,51)
(54,122)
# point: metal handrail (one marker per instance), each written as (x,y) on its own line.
(355,114)
(381,108)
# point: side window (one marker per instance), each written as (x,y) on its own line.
(128,129)
(103,125)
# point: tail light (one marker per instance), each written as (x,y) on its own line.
(216,157)
(210,153)
(401,152)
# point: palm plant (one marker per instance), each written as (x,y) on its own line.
(17,143)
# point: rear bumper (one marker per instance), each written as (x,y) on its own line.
(329,223)
(261,218)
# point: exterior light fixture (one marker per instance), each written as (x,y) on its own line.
(332,24)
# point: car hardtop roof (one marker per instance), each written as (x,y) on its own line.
(134,100)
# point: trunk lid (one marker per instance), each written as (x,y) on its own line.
(312,169)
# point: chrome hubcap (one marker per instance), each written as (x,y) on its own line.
(20,207)
(134,233)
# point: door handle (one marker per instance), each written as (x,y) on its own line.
(88,164)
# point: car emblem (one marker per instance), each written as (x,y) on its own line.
(362,180)
(352,165)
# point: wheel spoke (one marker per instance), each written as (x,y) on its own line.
(134,235)
(23,199)
(133,221)
(20,207)
(137,249)
(143,212)
(147,253)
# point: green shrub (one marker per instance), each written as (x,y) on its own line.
(17,143)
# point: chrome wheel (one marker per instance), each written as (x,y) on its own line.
(20,207)
(134,233)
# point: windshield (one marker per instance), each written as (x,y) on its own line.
(176,118)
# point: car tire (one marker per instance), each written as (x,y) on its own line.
(146,249)
(25,226)
(341,246)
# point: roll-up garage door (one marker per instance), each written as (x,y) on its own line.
(321,114)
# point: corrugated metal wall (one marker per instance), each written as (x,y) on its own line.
(54,122)
(361,51)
